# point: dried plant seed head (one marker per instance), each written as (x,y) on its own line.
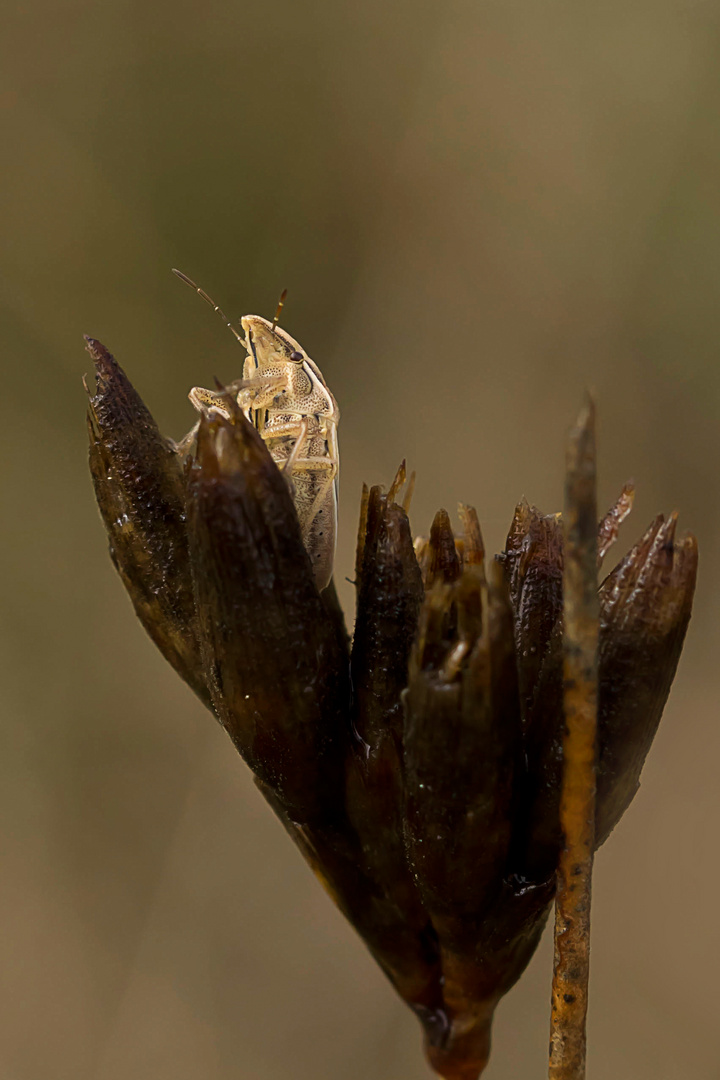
(419,775)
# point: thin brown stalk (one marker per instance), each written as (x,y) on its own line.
(577,811)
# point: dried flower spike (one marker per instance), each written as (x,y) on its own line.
(419,773)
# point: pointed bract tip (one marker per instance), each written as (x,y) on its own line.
(474,546)
(687,543)
(93,346)
(409,492)
(609,526)
(397,482)
(444,562)
(97,350)
(669,528)
(226,446)
(585,424)
(211,423)
(106,365)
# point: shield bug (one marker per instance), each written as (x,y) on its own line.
(284,395)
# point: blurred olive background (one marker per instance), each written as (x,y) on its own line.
(479,209)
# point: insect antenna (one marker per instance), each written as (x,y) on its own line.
(209,300)
(279,308)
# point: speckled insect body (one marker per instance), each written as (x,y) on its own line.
(285,396)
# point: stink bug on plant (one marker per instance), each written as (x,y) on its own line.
(284,395)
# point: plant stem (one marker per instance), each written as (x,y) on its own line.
(577,809)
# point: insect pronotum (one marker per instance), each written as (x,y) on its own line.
(283,393)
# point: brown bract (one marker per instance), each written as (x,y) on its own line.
(419,770)
(140,491)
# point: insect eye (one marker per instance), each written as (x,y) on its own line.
(296,356)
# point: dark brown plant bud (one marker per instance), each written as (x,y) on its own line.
(645,607)
(533,565)
(462,742)
(644,612)
(461,737)
(279,677)
(389,596)
(275,668)
(141,495)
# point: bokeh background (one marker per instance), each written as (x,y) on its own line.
(479,209)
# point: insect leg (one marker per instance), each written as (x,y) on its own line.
(202,400)
(300,441)
(259,392)
(255,393)
(183,447)
(316,464)
(299,430)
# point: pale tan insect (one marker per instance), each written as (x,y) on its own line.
(283,393)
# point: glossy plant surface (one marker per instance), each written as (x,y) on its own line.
(418,767)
